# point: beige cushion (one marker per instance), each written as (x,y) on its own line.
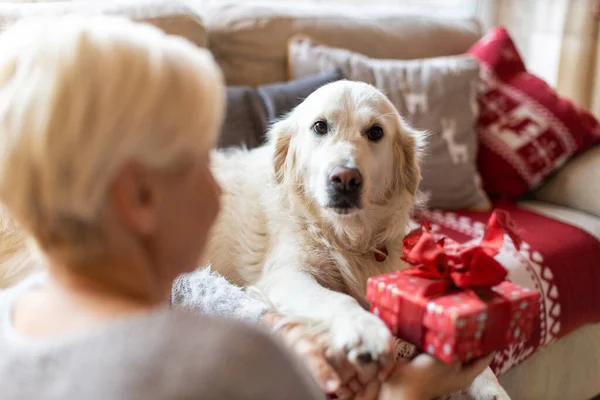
(436,95)
(577,184)
(171,16)
(586,222)
(250,40)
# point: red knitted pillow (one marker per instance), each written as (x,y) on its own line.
(526,131)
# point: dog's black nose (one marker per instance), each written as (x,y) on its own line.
(345,180)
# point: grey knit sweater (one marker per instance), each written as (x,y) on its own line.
(165,354)
(209,293)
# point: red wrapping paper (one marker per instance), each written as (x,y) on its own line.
(454,303)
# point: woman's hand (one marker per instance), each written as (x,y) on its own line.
(356,385)
(335,376)
(425,378)
(310,345)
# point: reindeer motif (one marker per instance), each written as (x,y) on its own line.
(458,152)
(519,127)
(414,99)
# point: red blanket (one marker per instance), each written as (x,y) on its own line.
(559,260)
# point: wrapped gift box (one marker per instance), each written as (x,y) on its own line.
(455,303)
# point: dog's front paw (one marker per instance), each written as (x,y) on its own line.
(362,337)
(487,387)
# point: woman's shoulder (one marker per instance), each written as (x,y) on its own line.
(199,329)
(226,356)
(191,332)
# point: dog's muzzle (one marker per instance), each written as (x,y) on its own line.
(344,189)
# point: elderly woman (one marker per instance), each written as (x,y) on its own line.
(106,131)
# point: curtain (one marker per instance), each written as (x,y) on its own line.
(559,40)
(579,66)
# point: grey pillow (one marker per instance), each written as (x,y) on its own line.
(438,95)
(249,110)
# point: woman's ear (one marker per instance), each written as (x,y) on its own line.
(280,136)
(408,151)
(134,197)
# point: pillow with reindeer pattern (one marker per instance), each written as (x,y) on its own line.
(436,95)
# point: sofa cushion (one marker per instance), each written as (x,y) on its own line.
(173,17)
(249,40)
(436,95)
(526,130)
(576,184)
(584,221)
(249,110)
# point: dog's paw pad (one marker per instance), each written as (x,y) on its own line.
(363,337)
(365,358)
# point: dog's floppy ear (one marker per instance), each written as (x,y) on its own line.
(280,136)
(408,150)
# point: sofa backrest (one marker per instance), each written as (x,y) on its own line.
(173,17)
(249,40)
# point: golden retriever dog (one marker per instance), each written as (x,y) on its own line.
(308,217)
(324,205)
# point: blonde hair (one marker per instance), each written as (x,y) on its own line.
(79,96)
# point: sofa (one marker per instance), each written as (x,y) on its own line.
(250,41)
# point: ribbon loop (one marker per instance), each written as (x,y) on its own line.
(470,267)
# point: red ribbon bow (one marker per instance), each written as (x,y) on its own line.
(462,267)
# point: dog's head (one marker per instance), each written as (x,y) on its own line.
(345,149)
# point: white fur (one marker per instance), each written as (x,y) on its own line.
(275,231)
(281,237)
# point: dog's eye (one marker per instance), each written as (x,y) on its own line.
(320,128)
(375,133)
